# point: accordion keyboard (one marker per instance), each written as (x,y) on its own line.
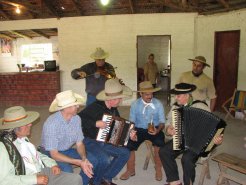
(176,123)
(103,132)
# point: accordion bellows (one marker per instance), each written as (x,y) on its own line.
(195,129)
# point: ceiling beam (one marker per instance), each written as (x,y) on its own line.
(49,5)
(19,34)
(131,6)
(5,15)
(6,36)
(41,34)
(78,7)
(170,4)
(224,3)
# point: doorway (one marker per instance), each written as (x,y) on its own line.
(226,65)
(160,46)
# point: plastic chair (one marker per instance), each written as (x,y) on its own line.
(236,103)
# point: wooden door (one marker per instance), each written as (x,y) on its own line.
(225,65)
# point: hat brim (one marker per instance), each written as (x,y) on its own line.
(193,59)
(176,92)
(126,93)
(31,117)
(150,90)
(79,101)
(101,57)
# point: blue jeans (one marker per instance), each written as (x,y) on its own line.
(66,167)
(90,99)
(116,157)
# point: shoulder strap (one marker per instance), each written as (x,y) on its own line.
(199,101)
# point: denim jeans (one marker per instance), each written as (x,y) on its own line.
(66,167)
(116,157)
(90,99)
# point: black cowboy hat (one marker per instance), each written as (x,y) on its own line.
(183,88)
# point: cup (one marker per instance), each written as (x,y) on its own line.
(151,128)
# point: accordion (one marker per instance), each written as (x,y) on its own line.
(117,131)
(195,129)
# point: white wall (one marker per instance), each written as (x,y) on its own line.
(79,36)
(206,26)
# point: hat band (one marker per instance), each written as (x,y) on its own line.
(114,94)
(144,89)
(182,89)
(67,103)
(16,119)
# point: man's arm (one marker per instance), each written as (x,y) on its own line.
(212,104)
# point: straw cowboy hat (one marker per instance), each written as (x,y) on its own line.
(146,86)
(99,54)
(66,99)
(183,88)
(113,90)
(201,59)
(17,116)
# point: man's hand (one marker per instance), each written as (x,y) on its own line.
(81,74)
(170,130)
(101,124)
(218,139)
(87,167)
(42,179)
(133,135)
(55,170)
(153,132)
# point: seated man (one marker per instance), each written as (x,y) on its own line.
(183,97)
(108,101)
(62,130)
(146,110)
(20,162)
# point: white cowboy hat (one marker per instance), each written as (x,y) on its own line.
(99,54)
(201,59)
(146,86)
(17,116)
(66,99)
(113,90)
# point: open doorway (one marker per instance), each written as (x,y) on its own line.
(160,46)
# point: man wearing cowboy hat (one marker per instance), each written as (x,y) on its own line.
(61,130)
(108,101)
(20,162)
(205,87)
(143,111)
(94,80)
(183,97)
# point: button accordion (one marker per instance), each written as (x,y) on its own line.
(195,129)
(117,131)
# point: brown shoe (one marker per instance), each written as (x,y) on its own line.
(158,175)
(127,175)
(105,182)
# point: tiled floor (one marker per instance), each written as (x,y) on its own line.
(233,144)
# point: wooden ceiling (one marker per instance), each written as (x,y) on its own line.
(42,9)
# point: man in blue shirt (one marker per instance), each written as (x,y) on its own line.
(144,111)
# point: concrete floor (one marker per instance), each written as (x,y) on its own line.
(233,144)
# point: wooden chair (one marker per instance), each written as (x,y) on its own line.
(149,155)
(236,103)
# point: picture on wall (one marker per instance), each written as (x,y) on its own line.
(6,47)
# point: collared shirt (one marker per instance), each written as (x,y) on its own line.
(151,71)
(142,113)
(205,89)
(59,134)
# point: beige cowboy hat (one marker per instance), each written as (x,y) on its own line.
(146,86)
(201,59)
(99,54)
(66,99)
(113,90)
(17,116)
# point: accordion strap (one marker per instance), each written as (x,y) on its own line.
(199,101)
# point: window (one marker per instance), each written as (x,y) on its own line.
(34,54)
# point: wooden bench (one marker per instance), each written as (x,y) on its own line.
(227,161)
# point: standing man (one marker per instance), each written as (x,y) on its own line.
(20,162)
(183,97)
(146,110)
(151,72)
(95,73)
(107,103)
(205,87)
(61,130)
